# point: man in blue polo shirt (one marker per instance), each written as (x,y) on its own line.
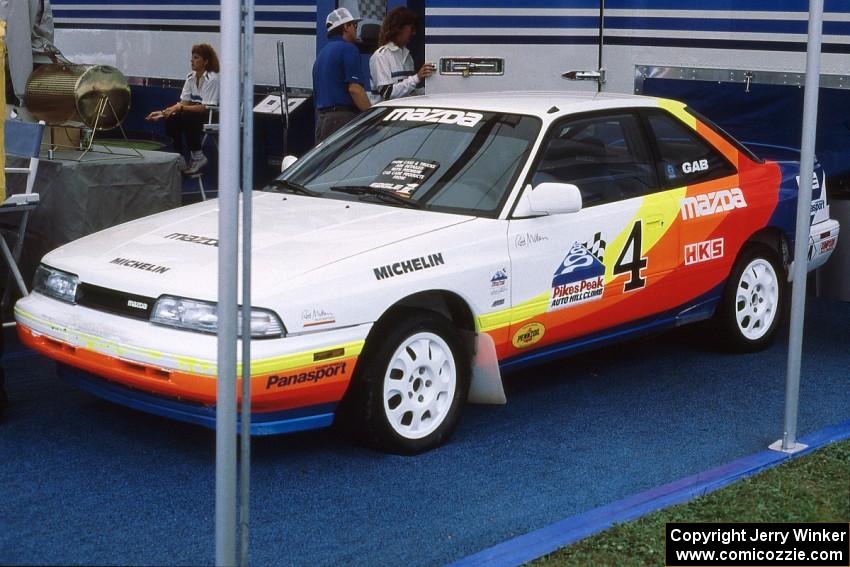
(337,82)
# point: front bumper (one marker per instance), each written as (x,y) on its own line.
(823,238)
(295,372)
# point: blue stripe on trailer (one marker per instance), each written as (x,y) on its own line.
(839,6)
(732,25)
(211,3)
(570,530)
(129,15)
(750,45)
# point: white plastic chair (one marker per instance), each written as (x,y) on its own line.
(22,139)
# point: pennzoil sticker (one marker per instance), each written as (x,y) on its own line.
(405,175)
(528,335)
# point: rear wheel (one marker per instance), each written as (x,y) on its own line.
(753,300)
(411,388)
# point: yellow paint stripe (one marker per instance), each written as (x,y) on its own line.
(195,365)
(677,109)
(301,359)
(531,308)
(663,207)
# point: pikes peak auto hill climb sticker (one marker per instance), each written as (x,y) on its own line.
(581,276)
(528,335)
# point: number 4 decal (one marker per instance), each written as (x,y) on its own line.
(636,263)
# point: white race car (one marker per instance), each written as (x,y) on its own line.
(402,265)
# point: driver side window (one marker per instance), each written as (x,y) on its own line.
(606,157)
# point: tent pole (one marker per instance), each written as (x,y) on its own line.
(228,217)
(801,238)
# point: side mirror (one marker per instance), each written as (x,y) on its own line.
(287,161)
(549,199)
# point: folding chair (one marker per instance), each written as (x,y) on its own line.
(211,127)
(22,139)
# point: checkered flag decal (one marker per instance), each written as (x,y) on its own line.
(596,246)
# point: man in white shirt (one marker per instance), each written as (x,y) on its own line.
(391,66)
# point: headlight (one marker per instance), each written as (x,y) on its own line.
(55,283)
(202,316)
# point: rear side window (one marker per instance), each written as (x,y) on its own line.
(604,156)
(685,157)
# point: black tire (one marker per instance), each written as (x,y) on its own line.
(367,408)
(754,300)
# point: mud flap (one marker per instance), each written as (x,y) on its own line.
(486,386)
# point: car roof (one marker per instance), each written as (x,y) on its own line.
(546,105)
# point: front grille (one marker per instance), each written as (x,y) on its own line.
(118,302)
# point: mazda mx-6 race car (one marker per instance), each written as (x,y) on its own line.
(402,265)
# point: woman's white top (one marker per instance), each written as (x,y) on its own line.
(206,93)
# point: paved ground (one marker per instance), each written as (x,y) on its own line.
(85,481)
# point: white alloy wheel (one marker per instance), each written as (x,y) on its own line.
(419,385)
(756,299)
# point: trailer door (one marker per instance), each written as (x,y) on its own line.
(507,45)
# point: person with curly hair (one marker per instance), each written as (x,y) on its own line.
(187,115)
(391,66)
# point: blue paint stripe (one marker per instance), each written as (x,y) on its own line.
(268,423)
(725,5)
(731,25)
(570,530)
(99,15)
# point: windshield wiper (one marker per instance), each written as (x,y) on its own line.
(382,194)
(292,187)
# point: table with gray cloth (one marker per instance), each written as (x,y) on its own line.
(79,198)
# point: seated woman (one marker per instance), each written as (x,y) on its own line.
(187,116)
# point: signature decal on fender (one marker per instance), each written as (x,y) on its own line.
(528,335)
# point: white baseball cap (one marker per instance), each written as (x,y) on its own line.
(339,17)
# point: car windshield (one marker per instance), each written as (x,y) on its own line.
(441,159)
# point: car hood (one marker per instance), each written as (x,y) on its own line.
(176,252)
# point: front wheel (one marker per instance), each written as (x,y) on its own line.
(412,387)
(753,301)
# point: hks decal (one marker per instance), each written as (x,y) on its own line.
(407,266)
(139,265)
(703,251)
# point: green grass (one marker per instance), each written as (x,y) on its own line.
(814,488)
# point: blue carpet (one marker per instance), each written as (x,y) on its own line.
(86,482)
